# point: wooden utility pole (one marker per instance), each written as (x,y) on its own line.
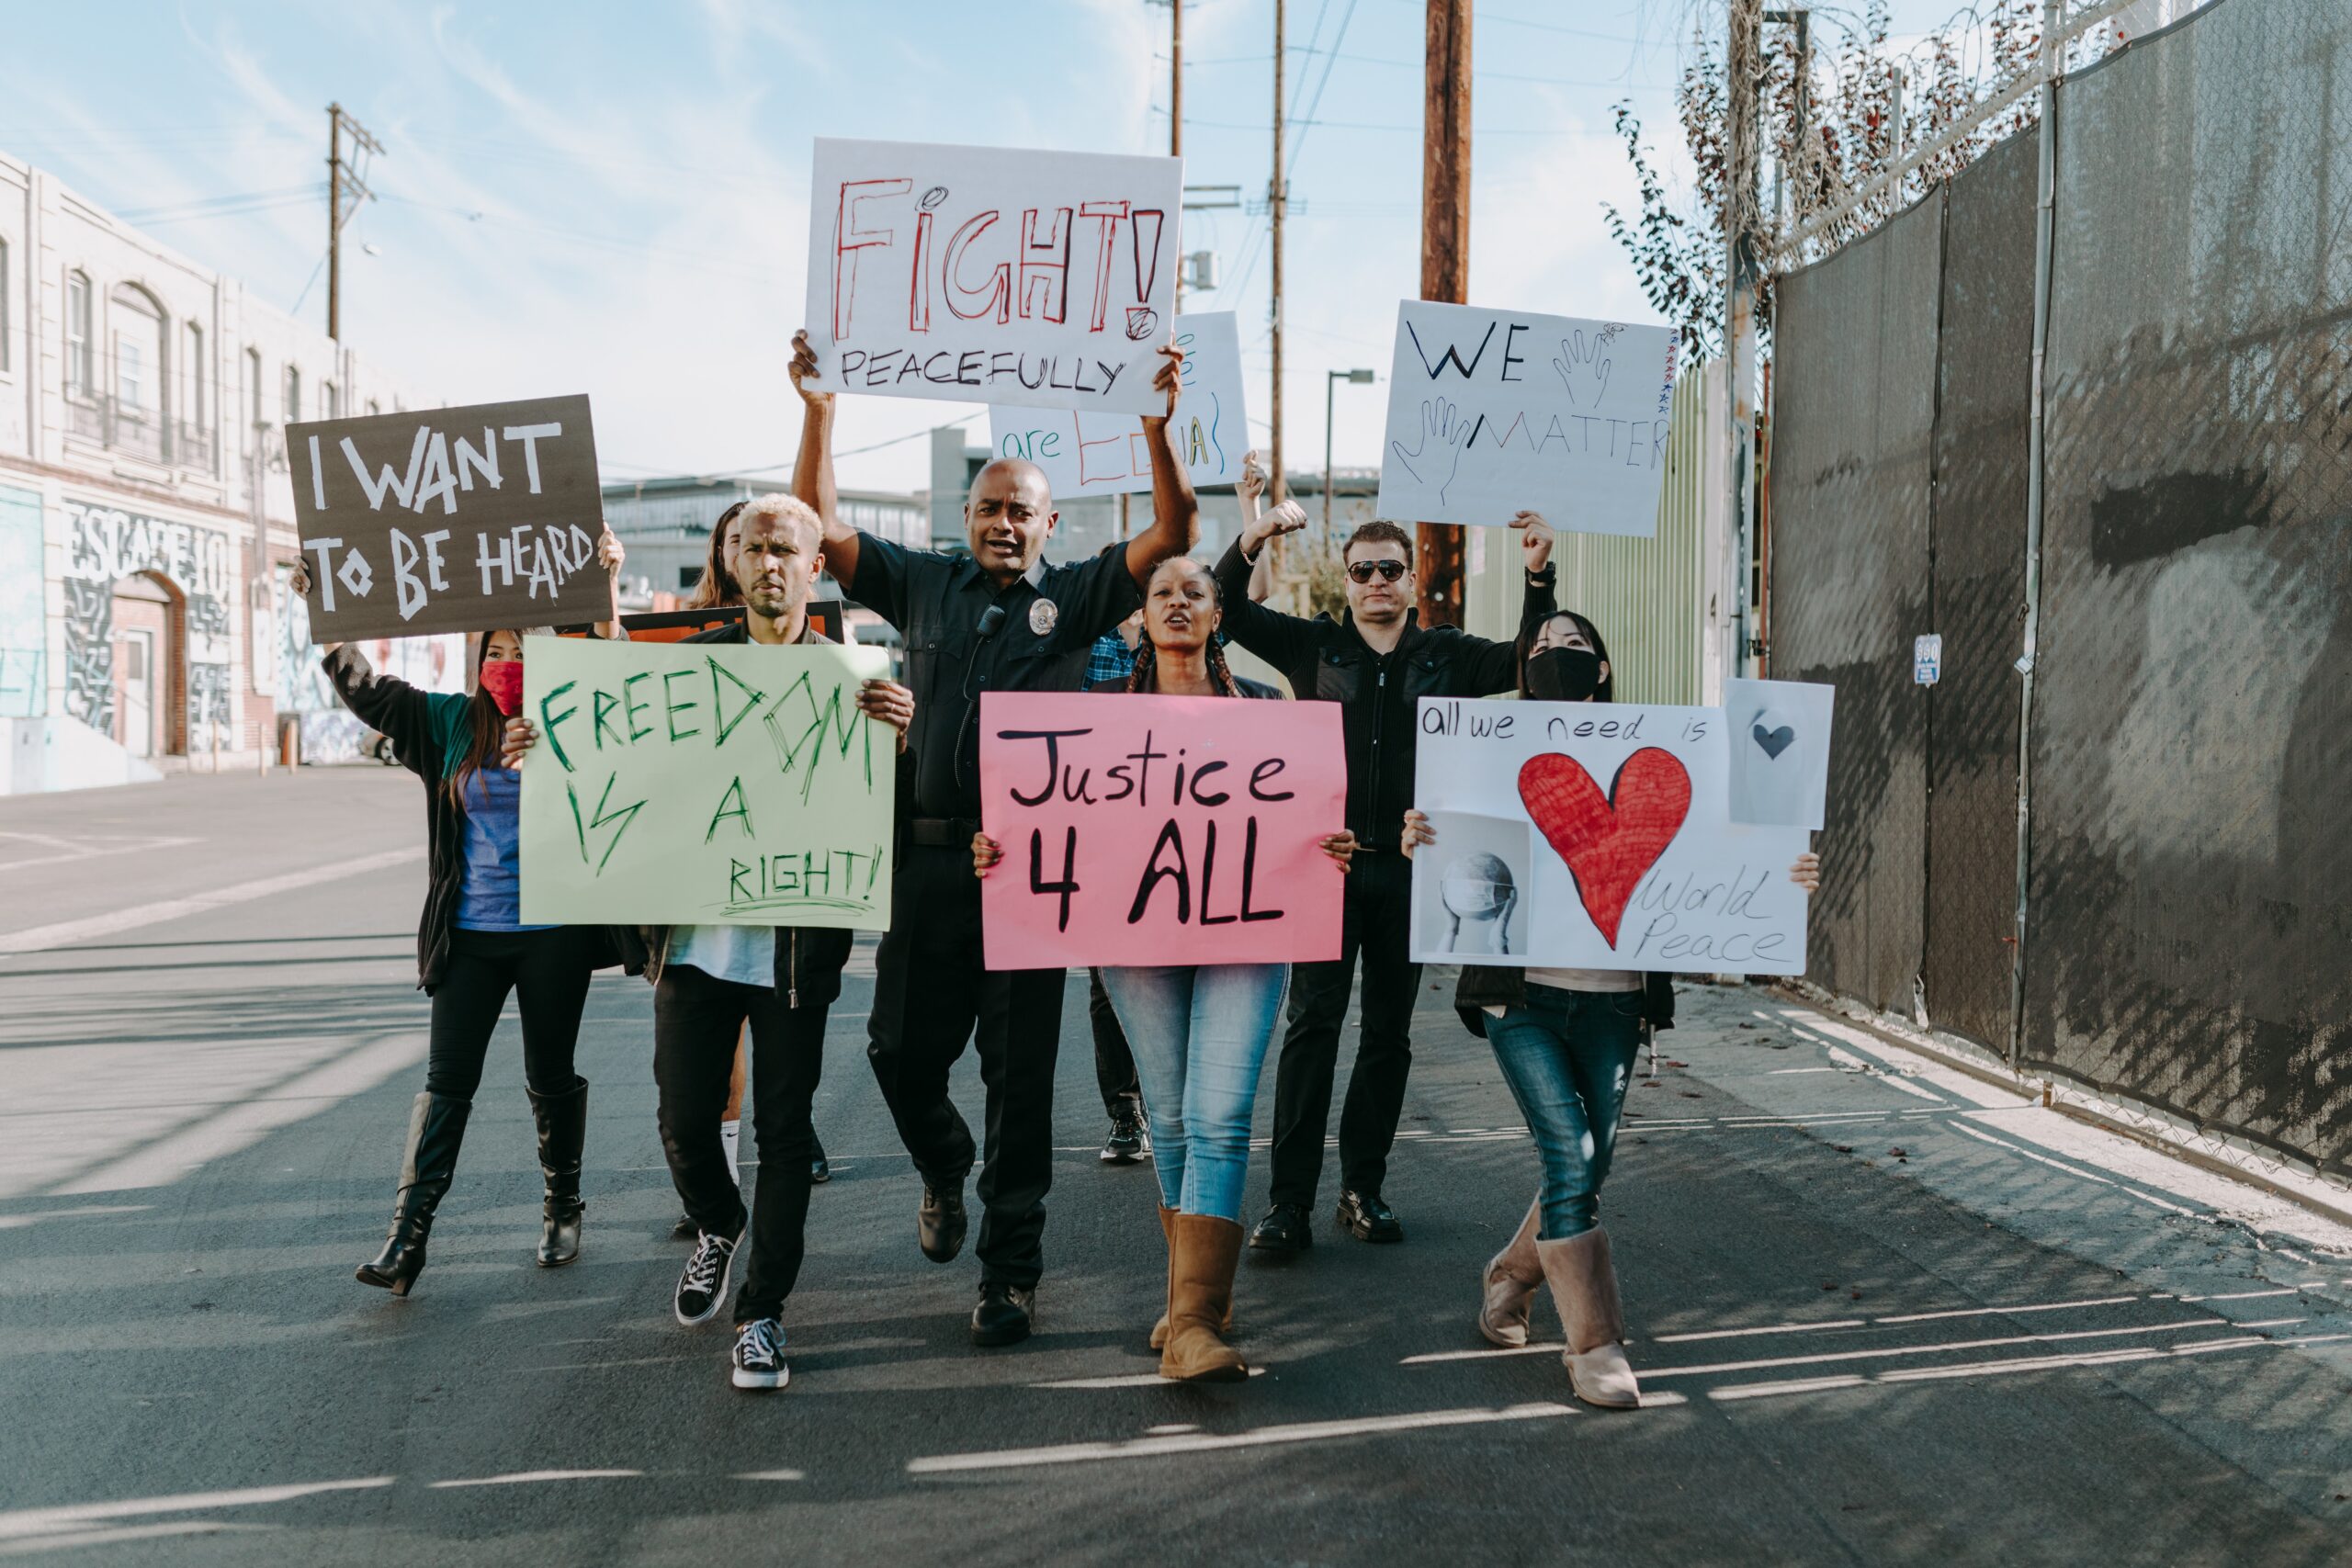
(1743,63)
(1277,197)
(1445,255)
(1176,121)
(343,181)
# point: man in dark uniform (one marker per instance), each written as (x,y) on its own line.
(997,620)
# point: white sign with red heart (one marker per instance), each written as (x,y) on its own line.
(1780,751)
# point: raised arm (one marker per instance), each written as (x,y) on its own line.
(1280,640)
(1494,666)
(390,706)
(1175,511)
(813,471)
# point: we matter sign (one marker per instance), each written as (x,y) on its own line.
(983,275)
(451,519)
(1493,411)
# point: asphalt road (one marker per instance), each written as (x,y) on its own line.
(1884,1314)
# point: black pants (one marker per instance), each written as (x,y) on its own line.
(1377,913)
(697,1022)
(1115,1063)
(548,973)
(931,996)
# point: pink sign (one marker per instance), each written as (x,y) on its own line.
(1156,830)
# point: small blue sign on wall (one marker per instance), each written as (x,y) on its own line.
(1927,658)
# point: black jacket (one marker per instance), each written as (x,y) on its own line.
(1329,659)
(1483,986)
(808,962)
(429,732)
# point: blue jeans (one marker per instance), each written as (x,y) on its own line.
(1200,1036)
(1568,1056)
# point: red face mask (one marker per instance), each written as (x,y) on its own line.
(503,679)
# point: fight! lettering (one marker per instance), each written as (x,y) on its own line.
(1037,278)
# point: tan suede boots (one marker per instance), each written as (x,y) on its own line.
(1584,1287)
(1203,1253)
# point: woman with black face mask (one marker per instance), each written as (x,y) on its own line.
(1567,1040)
(472,945)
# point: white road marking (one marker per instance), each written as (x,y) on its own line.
(774,1475)
(1205,1443)
(1138,1380)
(2006,1310)
(70,933)
(90,847)
(1881,1351)
(17,1523)
(79,1211)
(527,1477)
(122,1535)
(2021,1364)
(1743,1333)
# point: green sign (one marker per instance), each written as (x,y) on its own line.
(704,784)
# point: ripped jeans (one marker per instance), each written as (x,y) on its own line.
(1568,1056)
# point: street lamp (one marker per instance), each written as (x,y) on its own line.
(1332,380)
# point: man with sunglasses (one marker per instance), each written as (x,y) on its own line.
(1376,662)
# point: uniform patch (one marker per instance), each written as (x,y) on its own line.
(1042,613)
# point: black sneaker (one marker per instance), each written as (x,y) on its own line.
(1130,1138)
(759,1354)
(1285,1229)
(940,1223)
(703,1286)
(818,1171)
(1365,1217)
(1002,1316)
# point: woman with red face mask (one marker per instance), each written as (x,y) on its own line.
(473,947)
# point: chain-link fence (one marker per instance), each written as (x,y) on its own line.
(2189,868)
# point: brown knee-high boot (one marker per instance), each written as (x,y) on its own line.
(1205,1252)
(1584,1287)
(1513,1276)
(1159,1329)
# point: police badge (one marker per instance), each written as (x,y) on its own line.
(1042,613)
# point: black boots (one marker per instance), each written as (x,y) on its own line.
(563,1126)
(436,1125)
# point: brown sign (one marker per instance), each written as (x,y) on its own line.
(450,520)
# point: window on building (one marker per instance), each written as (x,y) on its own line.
(253,386)
(139,361)
(78,378)
(688,576)
(192,409)
(293,396)
(6,320)
(330,402)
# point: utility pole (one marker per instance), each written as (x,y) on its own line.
(1445,255)
(342,180)
(1743,66)
(1176,121)
(1277,197)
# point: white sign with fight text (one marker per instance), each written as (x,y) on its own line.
(1105,453)
(987,274)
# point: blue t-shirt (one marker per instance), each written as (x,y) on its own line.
(489,889)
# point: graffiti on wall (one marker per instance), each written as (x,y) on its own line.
(329,731)
(103,546)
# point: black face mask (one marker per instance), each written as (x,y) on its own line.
(1563,674)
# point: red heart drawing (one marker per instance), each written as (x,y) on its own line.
(1610,843)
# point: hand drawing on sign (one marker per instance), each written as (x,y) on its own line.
(1440,424)
(1583,363)
(1484,881)
(1609,842)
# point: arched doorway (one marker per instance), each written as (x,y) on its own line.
(150,662)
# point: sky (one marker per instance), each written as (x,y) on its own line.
(612,199)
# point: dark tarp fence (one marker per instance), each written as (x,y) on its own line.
(2190,930)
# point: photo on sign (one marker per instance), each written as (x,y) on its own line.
(1780,751)
(1478,899)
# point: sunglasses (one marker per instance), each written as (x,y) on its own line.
(1389,569)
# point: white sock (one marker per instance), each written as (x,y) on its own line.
(730,1137)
